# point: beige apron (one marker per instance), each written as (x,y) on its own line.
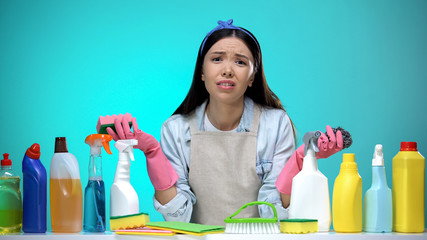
(223,172)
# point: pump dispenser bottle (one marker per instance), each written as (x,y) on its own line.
(123,197)
(377,206)
(310,192)
(66,198)
(347,197)
(10,198)
(94,198)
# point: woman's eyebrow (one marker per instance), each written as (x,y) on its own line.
(236,54)
(218,52)
(242,56)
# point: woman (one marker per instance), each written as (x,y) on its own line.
(227,142)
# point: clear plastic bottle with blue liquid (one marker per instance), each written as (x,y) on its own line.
(94,198)
(34,191)
(10,198)
(378,209)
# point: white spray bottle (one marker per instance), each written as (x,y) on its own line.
(123,197)
(310,192)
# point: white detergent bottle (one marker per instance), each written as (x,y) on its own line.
(310,192)
(123,197)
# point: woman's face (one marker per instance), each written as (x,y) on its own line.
(228,70)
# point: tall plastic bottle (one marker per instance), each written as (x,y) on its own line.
(123,197)
(347,197)
(94,198)
(408,189)
(310,192)
(10,198)
(66,198)
(34,191)
(378,210)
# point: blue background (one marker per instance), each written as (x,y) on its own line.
(357,64)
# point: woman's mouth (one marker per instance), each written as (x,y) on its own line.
(225,84)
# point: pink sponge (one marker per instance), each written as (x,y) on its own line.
(108,121)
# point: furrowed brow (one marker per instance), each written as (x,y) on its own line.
(242,56)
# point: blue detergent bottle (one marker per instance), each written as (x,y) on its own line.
(94,198)
(378,209)
(34,191)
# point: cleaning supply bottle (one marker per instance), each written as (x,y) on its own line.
(310,192)
(408,189)
(347,197)
(34,191)
(94,198)
(123,197)
(66,198)
(10,198)
(377,206)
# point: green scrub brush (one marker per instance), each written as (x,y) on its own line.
(252,225)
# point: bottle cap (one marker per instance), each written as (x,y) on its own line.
(33,151)
(378,159)
(6,161)
(61,145)
(348,157)
(408,146)
(348,161)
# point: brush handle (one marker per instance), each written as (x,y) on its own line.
(254,203)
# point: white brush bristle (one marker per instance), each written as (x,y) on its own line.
(252,228)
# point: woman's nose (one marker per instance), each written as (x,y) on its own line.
(227,72)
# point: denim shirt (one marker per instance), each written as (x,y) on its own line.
(275,145)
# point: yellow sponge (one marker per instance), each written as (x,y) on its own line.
(129,221)
(299,226)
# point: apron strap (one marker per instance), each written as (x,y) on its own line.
(194,128)
(255,118)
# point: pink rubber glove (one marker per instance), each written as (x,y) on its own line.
(160,170)
(327,147)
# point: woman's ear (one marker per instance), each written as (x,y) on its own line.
(203,76)
(251,81)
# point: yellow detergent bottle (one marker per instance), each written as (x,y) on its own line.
(347,197)
(408,189)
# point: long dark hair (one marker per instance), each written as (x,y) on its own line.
(259,92)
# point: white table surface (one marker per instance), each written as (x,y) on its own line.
(112,235)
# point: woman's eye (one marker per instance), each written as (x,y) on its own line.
(217,59)
(240,62)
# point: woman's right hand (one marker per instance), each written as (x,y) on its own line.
(146,142)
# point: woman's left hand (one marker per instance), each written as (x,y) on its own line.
(329,146)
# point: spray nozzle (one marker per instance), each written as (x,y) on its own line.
(378,159)
(310,141)
(126,146)
(96,141)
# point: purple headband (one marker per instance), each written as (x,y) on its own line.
(225,25)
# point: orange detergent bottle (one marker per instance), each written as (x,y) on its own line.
(66,197)
(408,189)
